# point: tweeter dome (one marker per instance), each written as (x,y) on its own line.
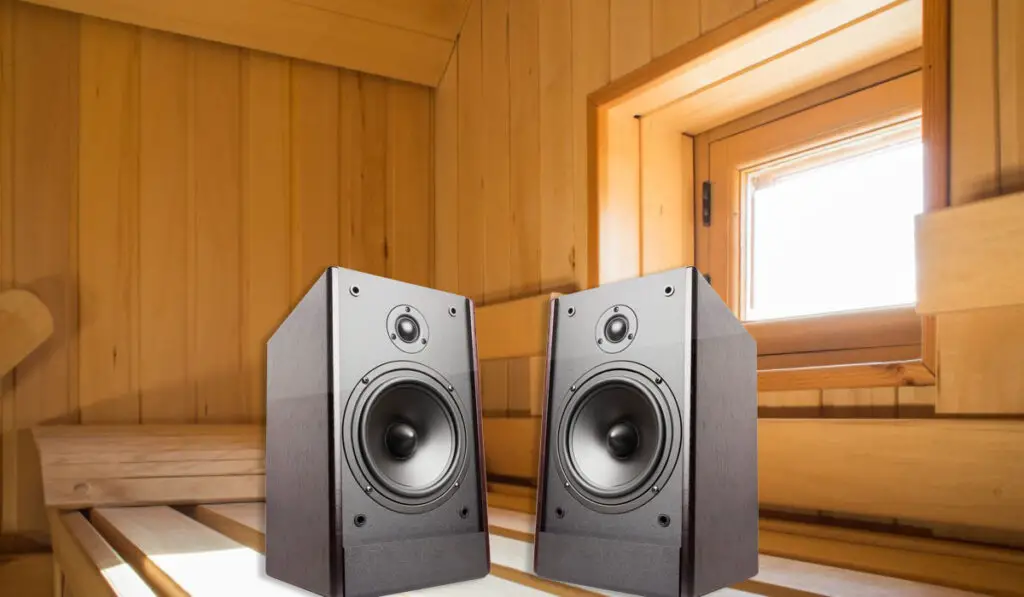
(648,476)
(374,468)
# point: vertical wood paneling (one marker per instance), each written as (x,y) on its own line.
(666,198)
(108,202)
(45,177)
(368,208)
(631,30)
(166,394)
(619,205)
(591,69)
(266,266)
(471,213)
(495,80)
(314,173)
(409,210)
(350,167)
(524,87)
(674,22)
(974,140)
(714,13)
(1011,94)
(556,183)
(8,460)
(981,352)
(446,178)
(217,232)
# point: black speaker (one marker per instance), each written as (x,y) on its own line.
(648,473)
(375,480)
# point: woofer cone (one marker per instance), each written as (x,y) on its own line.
(617,437)
(408,438)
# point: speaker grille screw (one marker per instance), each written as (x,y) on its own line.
(369,489)
(451,388)
(657,380)
(359,520)
(394,336)
(566,484)
(664,520)
(615,310)
(559,512)
(407,309)
(669,290)
(456,484)
(572,311)
(464,512)
(353,290)
(366,380)
(451,311)
(600,341)
(572,388)
(629,336)
(423,341)
(655,489)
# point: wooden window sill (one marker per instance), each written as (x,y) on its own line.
(854,375)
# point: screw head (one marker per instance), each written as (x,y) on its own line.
(655,489)
(615,310)
(423,341)
(368,489)
(566,484)
(571,311)
(600,340)
(456,484)
(629,336)
(451,388)
(407,309)
(366,380)
(657,380)
(394,336)
(572,388)
(353,290)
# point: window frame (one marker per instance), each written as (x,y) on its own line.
(869,336)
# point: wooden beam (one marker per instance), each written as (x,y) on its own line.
(856,375)
(294,29)
(957,472)
(513,329)
(969,257)
(863,329)
(88,562)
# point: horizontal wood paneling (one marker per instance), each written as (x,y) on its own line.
(295,29)
(168,199)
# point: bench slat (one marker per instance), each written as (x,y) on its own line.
(89,562)
(183,557)
(776,576)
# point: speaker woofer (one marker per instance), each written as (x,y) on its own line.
(617,438)
(408,442)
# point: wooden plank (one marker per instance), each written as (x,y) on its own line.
(795,404)
(618,203)
(514,447)
(980,354)
(869,329)
(446,178)
(916,402)
(7,463)
(245,523)
(968,256)
(885,354)
(471,210)
(108,203)
(369,217)
(513,329)
(496,159)
(45,259)
(409,209)
(494,388)
(314,173)
(350,168)
(88,562)
(590,70)
(942,471)
(666,197)
(217,282)
(439,18)
(714,13)
(878,403)
(266,241)
(935,103)
(674,22)
(1010,32)
(858,375)
(631,43)
(556,183)
(973,134)
(165,393)
(25,323)
(83,466)
(292,29)
(526,386)
(179,556)
(525,148)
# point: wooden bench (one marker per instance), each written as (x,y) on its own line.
(177,510)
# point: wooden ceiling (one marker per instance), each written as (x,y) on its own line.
(409,40)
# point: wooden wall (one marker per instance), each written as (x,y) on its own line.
(169,199)
(511,141)
(980,351)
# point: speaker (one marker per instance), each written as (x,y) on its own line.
(648,472)
(375,480)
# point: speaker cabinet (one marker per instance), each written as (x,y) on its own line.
(648,474)
(375,480)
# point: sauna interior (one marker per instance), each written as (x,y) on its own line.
(849,174)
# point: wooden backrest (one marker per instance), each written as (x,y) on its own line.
(88,465)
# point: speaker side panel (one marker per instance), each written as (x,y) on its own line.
(725,459)
(298,524)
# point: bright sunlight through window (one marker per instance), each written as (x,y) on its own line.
(834,231)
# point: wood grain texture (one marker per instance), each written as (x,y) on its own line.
(631,32)
(108,232)
(471,208)
(88,563)
(525,148)
(974,137)
(857,375)
(513,329)
(1010,32)
(877,403)
(980,354)
(968,256)
(884,327)
(294,29)
(409,210)
(666,198)
(25,323)
(935,102)
(673,23)
(515,443)
(6,241)
(714,13)
(446,178)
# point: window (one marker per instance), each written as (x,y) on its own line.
(811,238)
(832,229)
